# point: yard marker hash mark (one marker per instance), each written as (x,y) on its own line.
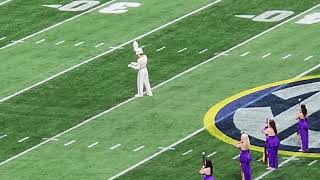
(203,51)
(3,136)
(266,55)
(78,44)
(160,49)
(185,153)
(307,58)
(245,54)
(60,42)
(69,143)
(181,50)
(138,149)
(23,139)
(3,38)
(212,154)
(40,41)
(236,157)
(4,2)
(115,146)
(98,45)
(313,162)
(93,144)
(287,56)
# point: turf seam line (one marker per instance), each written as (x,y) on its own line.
(58,24)
(218,55)
(109,51)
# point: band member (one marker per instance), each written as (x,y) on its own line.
(303,127)
(245,157)
(143,75)
(272,144)
(207,170)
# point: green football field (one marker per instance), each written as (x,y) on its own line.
(66,99)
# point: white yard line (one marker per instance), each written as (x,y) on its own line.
(266,55)
(287,56)
(312,163)
(78,44)
(115,146)
(167,147)
(187,152)
(159,85)
(160,49)
(23,139)
(109,51)
(51,139)
(3,136)
(203,51)
(4,2)
(195,67)
(3,38)
(98,45)
(270,171)
(138,149)
(60,42)
(117,47)
(307,58)
(236,157)
(69,143)
(58,24)
(40,41)
(181,50)
(245,54)
(212,154)
(93,144)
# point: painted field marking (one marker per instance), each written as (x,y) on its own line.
(40,41)
(245,54)
(138,149)
(17,41)
(160,48)
(78,44)
(236,157)
(117,47)
(3,136)
(3,38)
(266,55)
(98,45)
(115,146)
(195,67)
(143,46)
(4,2)
(23,139)
(270,171)
(170,148)
(312,163)
(203,51)
(187,152)
(221,54)
(212,154)
(108,51)
(181,50)
(60,42)
(287,56)
(93,144)
(69,143)
(307,58)
(259,160)
(58,24)
(51,139)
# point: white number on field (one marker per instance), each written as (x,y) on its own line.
(310,19)
(79,6)
(83,5)
(273,16)
(118,8)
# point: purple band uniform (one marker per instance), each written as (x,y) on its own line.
(245,163)
(272,146)
(303,127)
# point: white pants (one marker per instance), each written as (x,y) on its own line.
(143,80)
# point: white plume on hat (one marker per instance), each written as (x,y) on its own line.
(136,48)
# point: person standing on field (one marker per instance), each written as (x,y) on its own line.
(143,75)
